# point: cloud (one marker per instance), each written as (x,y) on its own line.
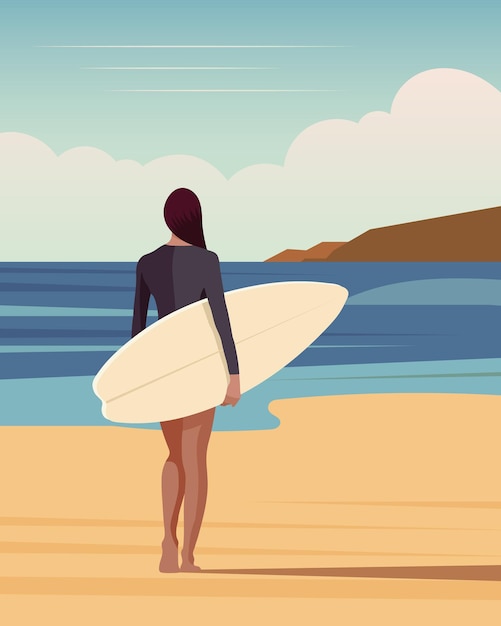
(438,151)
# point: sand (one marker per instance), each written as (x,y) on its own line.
(369,509)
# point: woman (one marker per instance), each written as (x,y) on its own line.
(177,274)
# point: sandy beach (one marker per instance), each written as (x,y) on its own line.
(380,509)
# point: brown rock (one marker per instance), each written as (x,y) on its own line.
(468,237)
(472,236)
(322,250)
(316,253)
(289,255)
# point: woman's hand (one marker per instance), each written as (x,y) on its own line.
(233,391)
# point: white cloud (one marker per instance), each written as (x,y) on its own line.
(437,152)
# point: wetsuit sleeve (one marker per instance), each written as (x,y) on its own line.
(141,300)
(215,295)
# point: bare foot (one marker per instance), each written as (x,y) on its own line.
(169,562)
(168,566)
(189,567)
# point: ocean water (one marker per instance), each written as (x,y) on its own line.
(407,327)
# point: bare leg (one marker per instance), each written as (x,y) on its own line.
(172,494)
(195,440)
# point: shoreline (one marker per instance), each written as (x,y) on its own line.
(375,506)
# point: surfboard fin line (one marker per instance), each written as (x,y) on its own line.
(212,354)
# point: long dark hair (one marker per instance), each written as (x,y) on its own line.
(183,216)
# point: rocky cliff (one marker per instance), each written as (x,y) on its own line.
(471,236)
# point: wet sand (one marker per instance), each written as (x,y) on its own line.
(380,509)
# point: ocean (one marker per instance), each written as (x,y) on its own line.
(407,327)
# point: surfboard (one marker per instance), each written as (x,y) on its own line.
(176,366)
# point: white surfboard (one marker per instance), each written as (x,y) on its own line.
(176,366)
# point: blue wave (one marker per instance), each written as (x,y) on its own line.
(107,299)
(11,310)
(61,340)
(68,288)
(70,400)
(76,267)
(440,291)
(77,305)
(72,322)
(51,364)
(47,348)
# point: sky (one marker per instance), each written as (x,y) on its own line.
(294,122)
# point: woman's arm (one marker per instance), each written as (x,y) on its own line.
(215,296)
(141,300)
(233,391)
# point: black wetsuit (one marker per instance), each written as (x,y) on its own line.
(177,276)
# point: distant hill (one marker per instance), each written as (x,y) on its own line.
(472,236)
(317,253)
